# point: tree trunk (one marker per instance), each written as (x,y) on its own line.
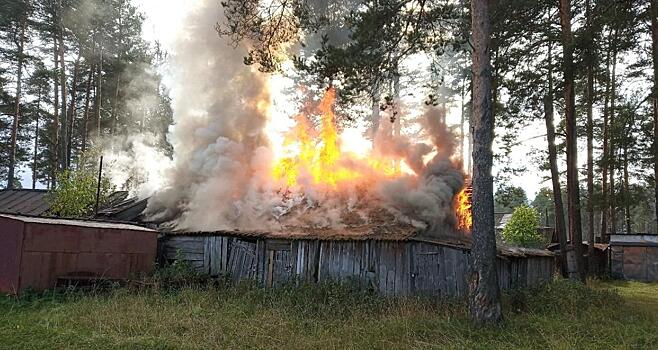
(612,128)
(604,171)
(99,94)
(560,229)
(375,117)
(627,204)
(85,131)
(72,110)
(397,112)
(36,143)
(55,137)
(484,291)
(62,86)
(654,55)
(462,123)
(17,104)
(573,191)
(590,144)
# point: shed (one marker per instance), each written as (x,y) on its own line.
(600,257)
(36,252)
(395,261)
(634,257)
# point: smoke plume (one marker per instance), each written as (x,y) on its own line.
(219,113)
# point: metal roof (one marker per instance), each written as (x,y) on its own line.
(75,222)
(27,202)
(129,209)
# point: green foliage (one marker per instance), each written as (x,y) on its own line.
(522,230)
(509,197)
(75,195)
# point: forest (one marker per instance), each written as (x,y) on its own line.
(562,94)
(76,76)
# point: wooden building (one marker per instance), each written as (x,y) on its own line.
(394,262)
(634,257)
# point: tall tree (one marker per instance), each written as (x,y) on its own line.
(484,294)
(589,62)
(560,228)
(18,34)
(573,189)
(654,56)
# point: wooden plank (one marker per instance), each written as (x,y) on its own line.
(460,274)
(399,268)
(186,256)
(187,246)
(451,278)
(206,255)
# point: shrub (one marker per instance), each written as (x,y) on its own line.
(521,230)
(75,194)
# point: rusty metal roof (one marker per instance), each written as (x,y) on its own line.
(27,202)
(76,222)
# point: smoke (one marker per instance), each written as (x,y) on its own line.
(219,114)
(135,164)
(427,196)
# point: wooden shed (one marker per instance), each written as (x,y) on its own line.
(634,257)
(36,252)
(391,261)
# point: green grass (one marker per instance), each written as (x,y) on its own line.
(561,315)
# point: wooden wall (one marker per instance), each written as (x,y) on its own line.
(393,268)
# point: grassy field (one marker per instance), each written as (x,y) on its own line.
(559,316)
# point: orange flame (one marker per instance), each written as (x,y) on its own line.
(320,156)
(463,206)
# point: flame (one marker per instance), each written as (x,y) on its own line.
(463,208)
(320,154)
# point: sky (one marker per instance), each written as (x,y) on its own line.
(163,24)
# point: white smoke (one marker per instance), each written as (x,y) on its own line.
(219,114)
(135,164)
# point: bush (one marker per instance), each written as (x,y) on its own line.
(75,194)
(521,230)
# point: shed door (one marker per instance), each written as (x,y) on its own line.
(279,262)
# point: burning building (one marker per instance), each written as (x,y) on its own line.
(311,201)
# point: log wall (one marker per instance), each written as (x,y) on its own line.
(393,268)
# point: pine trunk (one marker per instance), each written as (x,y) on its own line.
(72,111)
(484,292)
(17,104)
(36,143)
(573,191)
(375,118)
(462,123)
(560,227)
(627,204)
(99,93)
(604,167)
(62,86)
(612,158)
(654,55)
(85,131)
(590,146)
(56,136)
